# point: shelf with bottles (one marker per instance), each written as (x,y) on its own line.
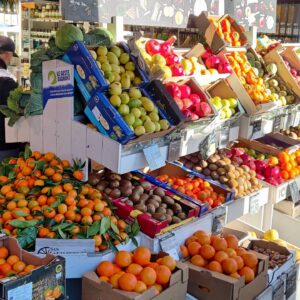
(9,16)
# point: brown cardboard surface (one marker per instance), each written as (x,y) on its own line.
(93,289)
(257,146)
(207,285)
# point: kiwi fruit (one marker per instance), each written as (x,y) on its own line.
(129,202)
(127,176)
(223,179)
(176,208)
(101,186)
(94,179)
(169,218)
(146,185)
(125,183)
(155,203)
(221,171)
(221,163)
(164,205)
(214,175)
(115,177)
(135,197)
(159,192)
(115,193)
(182,216)
(114,184)
(155,198)
(151,209)
(138,189)
(125,191)
(213,167)
(141,207)
(176,220)
(144,197)
(107,191)
(206,172)
(159,217)
(170,212)
(161,210)
(168,200)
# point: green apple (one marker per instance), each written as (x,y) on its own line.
(232,102)
(217,102)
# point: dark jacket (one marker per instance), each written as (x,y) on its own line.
(7,85)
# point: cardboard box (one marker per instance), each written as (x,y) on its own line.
(276,56)
(277,272)
(208,30)
(40,282)
(148,224)
(87,73)
(206,285)
(109,122)
(173,169)
(93,289)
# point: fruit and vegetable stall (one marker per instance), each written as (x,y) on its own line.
(179,180)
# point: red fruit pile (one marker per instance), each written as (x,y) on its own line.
(193,105)
(212,61)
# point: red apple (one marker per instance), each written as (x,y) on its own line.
(203,109)
(185,91)
(173,89)
(172,59)
(195,99)
(177,70)
(194,117)
(166,49)
(152,47)
(187,103)
(179,102)
(212,62)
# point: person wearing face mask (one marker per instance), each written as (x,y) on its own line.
(8,83)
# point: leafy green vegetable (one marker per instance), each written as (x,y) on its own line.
(98,37)
(27,237)
(66,35)
(23,224)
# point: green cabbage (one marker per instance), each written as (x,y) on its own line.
(66,35)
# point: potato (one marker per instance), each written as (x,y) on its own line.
(213,167)
(159,192)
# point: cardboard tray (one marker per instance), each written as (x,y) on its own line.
(148,224)
(173,169)
(206,285)
(49,274)
(93,289)
(109,122)
(277,272)
(276,56)
(208,30)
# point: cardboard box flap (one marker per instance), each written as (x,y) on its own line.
(38,261)
(185,271)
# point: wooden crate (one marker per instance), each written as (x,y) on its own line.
(276,56)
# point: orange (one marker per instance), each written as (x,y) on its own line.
(169,262)
(98,240)
(6,216)
(158,288)
(22,203)
(5,189)
(49,213)
(154,265)
(78,175)
(140,287)
(148,275)
(11,205)
(163,275)
(229,266)
(194,248)
(134,269)
(114,280)
(215,266)
(87,220)
(142,256)
(121,224)
(70,215)
(219,244)
(123,259)
(19,266)
(29,268)
(57,177)
(203,238)
(207,251)
(184,251)
(86,211)
(62,208)
(240,251)
(191,239)
(250,260)
(247,272)
(232,241)
(198,260)
(106,212)
(12,259)
(104,278)
(43,232)
(59,218)
(57,190)
(5,269)
(49,156)
(42,200)
(70,200)
(235,275)
(239,261)
(230,252)
(49,172)
(127,282)
(220,256)
(3,252)
(105,268)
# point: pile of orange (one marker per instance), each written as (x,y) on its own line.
(254,85)
(227,32)
(196,187)
(289,164)
(137,272)
(11,265)
(45,191)
(220,254)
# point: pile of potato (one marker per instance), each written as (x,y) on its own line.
(241,179)
(275,258)
(292,132)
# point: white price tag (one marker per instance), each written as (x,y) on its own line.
(220,219)
(256,129)
(254,204)
(174,150)
(294,191)
(297,119)
(169,244)
(23,292)
(154,157)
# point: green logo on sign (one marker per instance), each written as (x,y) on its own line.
(52,77)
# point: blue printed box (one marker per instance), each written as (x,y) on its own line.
(87,74)
(107,119)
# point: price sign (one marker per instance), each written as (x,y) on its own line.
(294,191)
(289,119)
(220,219)
(297,119)
(277,124)
(257,129)
(224,137)
(169,244)
(174,150)
(154,157)
(254,204)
